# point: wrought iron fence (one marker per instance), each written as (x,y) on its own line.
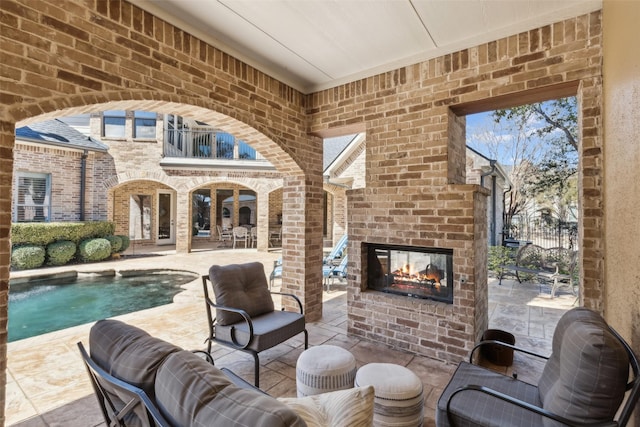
(547,233)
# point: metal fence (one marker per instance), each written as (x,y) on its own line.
(548,233)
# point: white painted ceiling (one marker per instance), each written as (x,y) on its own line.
(318,44)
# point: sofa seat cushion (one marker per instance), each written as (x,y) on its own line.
(585,377)
(191,392)
(241,286)
(268,329)
(473,408)
(343,408)
(128,352)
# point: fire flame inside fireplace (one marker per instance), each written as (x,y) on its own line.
(408,274)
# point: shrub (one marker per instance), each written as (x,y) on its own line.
(116,243)
(94,250)
(60,253)
(44,233)
(126,241)
(499,255)
(27,257)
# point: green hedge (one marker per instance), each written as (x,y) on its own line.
(60,253)
(94,250)
(27,257)
(126,241)
(116,243)
(45,233)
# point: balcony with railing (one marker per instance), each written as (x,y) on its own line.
(197,145)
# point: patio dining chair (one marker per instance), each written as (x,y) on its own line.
(254,236)
(224,235)
(240,234)
(242,314)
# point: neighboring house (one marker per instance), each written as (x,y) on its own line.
(489,174)
(56,174)
(143,171)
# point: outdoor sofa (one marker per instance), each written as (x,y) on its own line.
(141,380)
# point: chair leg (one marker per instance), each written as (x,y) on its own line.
(306,339)
(256,368)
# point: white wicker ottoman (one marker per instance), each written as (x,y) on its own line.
(324,368)
(398,394)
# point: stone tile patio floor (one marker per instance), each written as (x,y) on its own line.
(48,386)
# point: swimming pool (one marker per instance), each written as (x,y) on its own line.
(50,304)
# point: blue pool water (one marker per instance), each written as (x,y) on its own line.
(45,306)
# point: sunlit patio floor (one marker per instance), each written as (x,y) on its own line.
(48,386)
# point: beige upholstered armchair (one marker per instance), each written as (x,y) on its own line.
(242,314)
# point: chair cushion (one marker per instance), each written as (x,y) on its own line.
(343,408)
(586,377)
(128,352)
(472,408)
(191,392)
(268,330)
(242,286)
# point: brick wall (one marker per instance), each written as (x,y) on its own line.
(414,119)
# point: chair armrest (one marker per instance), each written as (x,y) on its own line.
(289,295)
(245,317)
(504,344)
(525,405)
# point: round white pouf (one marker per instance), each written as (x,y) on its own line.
(324,368)
(398,394)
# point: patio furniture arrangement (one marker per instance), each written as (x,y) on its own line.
(324,368)
(584,382)
(140,380)
(245,318)
(399,400)
(554,265)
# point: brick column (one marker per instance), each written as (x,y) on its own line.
(339,215)
(262,205)
(183,227)
(302,241)
(6,178)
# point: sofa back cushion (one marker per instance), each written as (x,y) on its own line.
(586,375)
(128,352)
(191,392)
(242,286)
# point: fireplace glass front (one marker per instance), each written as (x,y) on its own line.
(411,271)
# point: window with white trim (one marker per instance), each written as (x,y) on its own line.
(33,197)
(144,125)
(113,123)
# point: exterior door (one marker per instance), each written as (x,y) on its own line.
(166,218)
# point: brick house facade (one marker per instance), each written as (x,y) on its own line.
(117,56)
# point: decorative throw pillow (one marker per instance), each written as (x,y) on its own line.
(242,286)
(343,408)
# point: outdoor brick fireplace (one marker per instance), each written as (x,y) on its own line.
(417,209)
(416,311)
(415,272)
